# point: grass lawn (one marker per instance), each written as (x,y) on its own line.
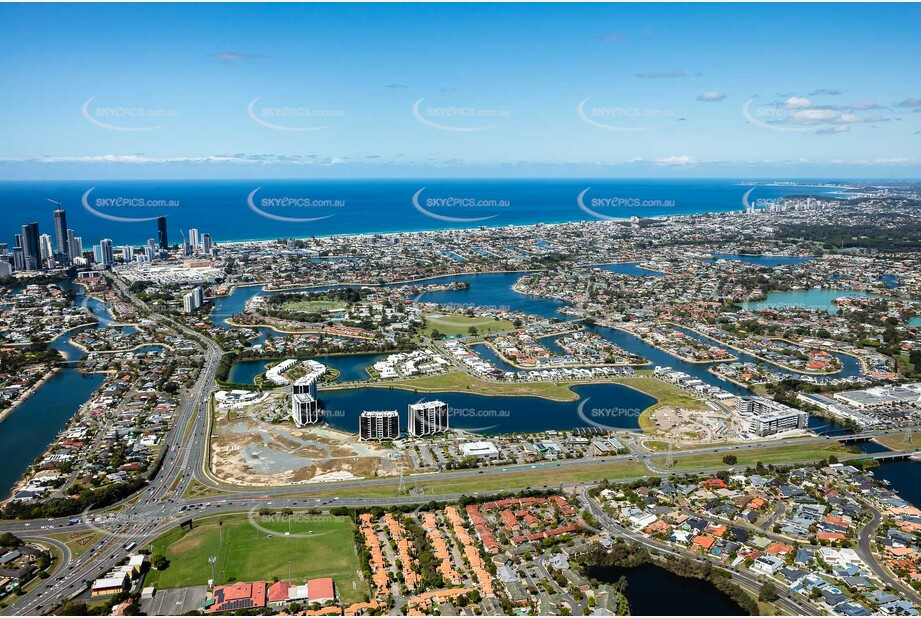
(313,306)
(662,445)
(897,442)
(78,542)
(666,394)
(461,382)
(454,324)
(197,490)
(515,480)
(769,455)
(248,553)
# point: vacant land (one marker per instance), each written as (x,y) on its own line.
(294,549)
(454,324)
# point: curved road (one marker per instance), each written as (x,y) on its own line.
(160,505)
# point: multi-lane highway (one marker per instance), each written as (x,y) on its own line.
(161,505)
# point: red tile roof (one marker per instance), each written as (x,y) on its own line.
(320,589)
(279,592)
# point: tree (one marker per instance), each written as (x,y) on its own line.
(730,460)
(73,608)
(8,539)
(768,592)
(159,562)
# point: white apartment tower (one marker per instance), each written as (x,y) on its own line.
(427,418)
(305,407)
(379,425)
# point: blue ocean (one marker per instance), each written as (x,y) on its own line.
(240,210)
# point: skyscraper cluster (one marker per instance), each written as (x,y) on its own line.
(34,251)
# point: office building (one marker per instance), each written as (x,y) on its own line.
(107,257)
(60,233)
(480,450)
(427,418)
(30,246)
(72,247)
(78,247)
(19,259)
(162,240)
(379,425)
(766,417)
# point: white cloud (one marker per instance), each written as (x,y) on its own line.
(813,116)
(865,105)
(711,96)
(677,161)
(798,102)
(841,128)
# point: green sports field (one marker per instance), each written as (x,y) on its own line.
(318,546)
(313,306)
(454,324)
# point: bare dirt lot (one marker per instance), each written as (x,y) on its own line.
(259,446)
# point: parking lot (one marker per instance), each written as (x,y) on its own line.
(174,601)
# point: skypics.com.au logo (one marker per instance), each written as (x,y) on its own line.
(603,417)
(458,119)
(290,203)
(296,119)
(620,207)
(104,207)
(456,204)
(625,119)
(131,119)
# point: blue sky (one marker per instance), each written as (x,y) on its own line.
(447,90)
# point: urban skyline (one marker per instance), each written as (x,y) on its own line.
(644,279)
